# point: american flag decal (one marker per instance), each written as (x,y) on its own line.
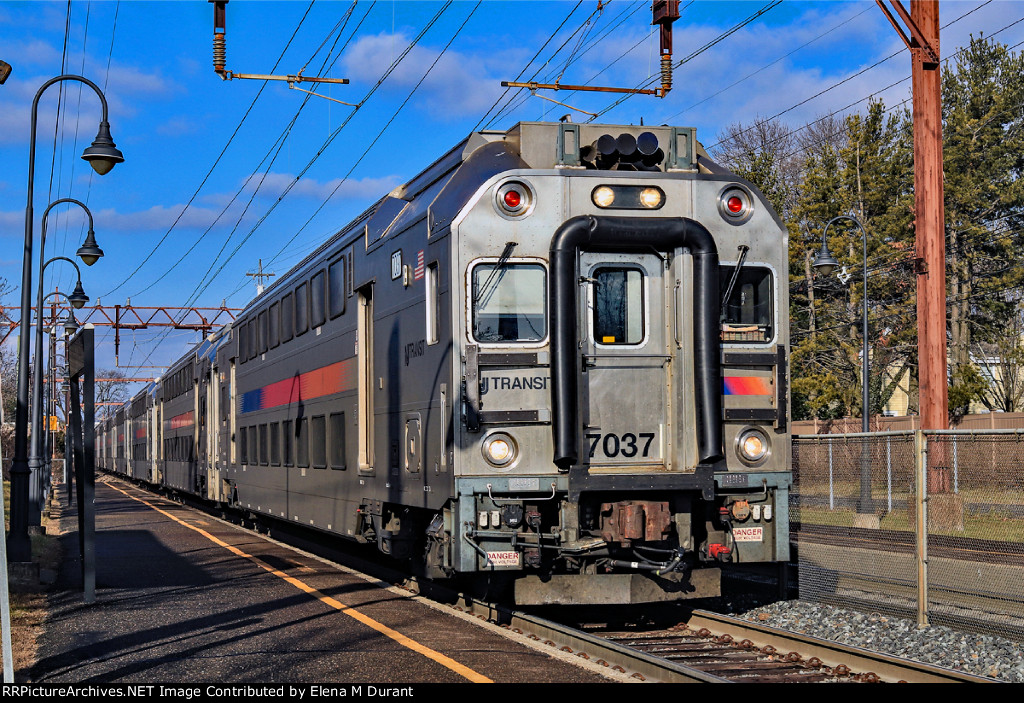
(418,272)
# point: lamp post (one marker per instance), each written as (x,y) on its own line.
(89,253)
(76,300)
(37,461)
(826,264)
(102,155)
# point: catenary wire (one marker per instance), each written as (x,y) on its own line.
(216,162)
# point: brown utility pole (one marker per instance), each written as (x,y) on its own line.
(930,233)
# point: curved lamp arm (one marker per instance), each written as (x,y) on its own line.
(102,156)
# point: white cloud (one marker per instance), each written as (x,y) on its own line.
(458,85)
(155,218)
(351,189)
(160,217)
(10,220)
(177,126)
(17,96)
(29,52)
(759,71)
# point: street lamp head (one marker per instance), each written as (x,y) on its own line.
(89,252)
(78,298)
(824,261)
(70,324)
(103,155)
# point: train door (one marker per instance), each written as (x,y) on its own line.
(212,435)
(627,346)
(366,380)
(158,474)
(126,444)
(153,416)
(226,405)
(197,467)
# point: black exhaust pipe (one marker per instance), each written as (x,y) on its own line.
(633,234)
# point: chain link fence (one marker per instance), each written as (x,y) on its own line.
(921,523)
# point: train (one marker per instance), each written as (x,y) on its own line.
(557,357)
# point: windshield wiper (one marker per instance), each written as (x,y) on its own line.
(502,260)
(743,249)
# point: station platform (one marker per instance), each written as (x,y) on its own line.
(184,598)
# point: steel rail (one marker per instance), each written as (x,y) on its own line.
(642,666)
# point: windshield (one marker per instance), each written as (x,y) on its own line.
(747,316)
(509,302)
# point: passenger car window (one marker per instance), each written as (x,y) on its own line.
(317,302)
(318,442)
(275,444)
(337,440)
(336,287)
(274,331)
(302,442)
(287,318)
(301,309)
(287,440)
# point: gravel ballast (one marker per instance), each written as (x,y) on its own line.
(983,655)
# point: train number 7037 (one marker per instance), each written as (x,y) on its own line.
(627,445)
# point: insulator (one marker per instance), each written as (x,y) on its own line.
(666,73)
(220,52)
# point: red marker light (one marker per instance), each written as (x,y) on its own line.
(735,204)
(514,199)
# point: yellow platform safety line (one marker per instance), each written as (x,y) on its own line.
(380,627)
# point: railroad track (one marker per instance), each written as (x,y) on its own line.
(712,648)
(707,647)
(961,548)
(973,584)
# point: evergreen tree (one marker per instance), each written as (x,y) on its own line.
(983,154)
(863,166)
(866,175)
(817,363)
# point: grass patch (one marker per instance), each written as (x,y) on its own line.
(29,608)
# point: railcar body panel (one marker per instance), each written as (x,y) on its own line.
(544,356)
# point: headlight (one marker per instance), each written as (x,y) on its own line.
(752,446)
(604,197)
(499,450)
(626,197)
(650,198)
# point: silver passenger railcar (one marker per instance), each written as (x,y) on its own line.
(558,354)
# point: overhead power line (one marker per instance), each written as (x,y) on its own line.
(209,279)
(216,162)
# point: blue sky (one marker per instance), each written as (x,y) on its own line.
(179,230)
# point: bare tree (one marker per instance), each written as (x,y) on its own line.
(764,153)
(8,387)
(110,392)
